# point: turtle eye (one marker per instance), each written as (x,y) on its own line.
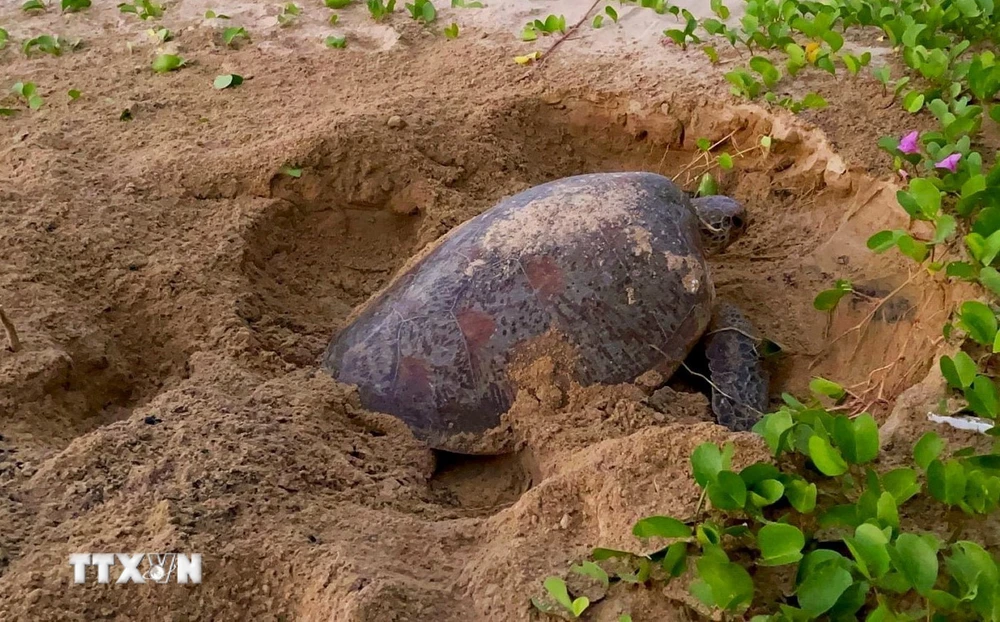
(738,222)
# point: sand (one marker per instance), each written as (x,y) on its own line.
(173,292)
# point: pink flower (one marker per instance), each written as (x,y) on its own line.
(908,144)
(903,174)
(950,163)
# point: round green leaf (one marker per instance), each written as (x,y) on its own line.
(227,81)
(727,492)
(707,186)
(730,586)
(901,484)
(662,527)
(887,512)
(946,481)
(826,457)
(959,371)
(916,560)
(927,449)
(674,562)
(821,589)
(758,472)
(979,321)
(869,546)
(822,386)
(706,462)
(767,492)
(780,544)
(167,62)
(801,494)
(984,398)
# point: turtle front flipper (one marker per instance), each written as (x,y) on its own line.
(739,380)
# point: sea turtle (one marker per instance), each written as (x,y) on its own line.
(612,264)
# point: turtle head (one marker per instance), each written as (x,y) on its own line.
(721,220)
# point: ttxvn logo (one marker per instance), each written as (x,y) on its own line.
(138,568)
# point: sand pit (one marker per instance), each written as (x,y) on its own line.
(173,291)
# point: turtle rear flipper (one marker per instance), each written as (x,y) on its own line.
(739,380)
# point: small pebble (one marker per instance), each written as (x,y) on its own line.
(396,122)
(564,523)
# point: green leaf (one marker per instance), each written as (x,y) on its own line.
(826,457)
(913,102)
(857,439)
(727,492)
(973,570)
(707,533)
(802,495)
(990,279)
(869,546)
(706,463)
(946,481)
(822,386)
(729,586)
(292,172)
(959,371)
(984,398)
(884,240)
(725,161)
(822,587)
(32,5)
(451,31)
(827,300)
(74,94)
(674,562)
(979,321)
(428,12)
(334,41)
(556,588)
(886,510)
(768,72)
(231,34)
(773,427)
(916,560)
(927,196)
(228,80)
(167,62)
(780,544)
(901,484)
(766,492)
(592,570)
(927,449)
(72,6)
(662,527)
(813,101)
(598,20)
(707,186)
(944,229)
(336,4)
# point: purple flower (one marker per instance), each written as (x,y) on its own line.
(908,144)
(950,163)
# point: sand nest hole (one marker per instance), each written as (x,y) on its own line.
(376,194)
